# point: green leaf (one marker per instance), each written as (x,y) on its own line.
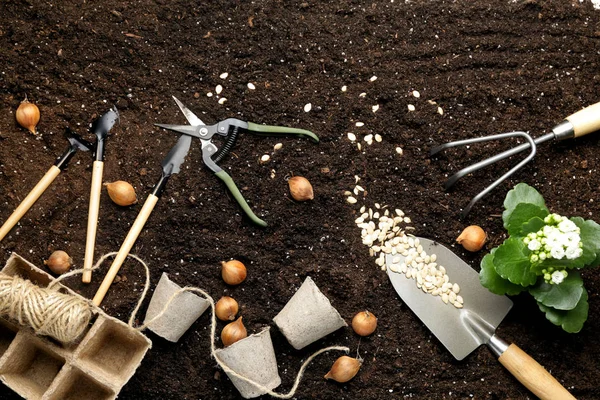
(522,193)
(532,226)
(511,262)
(490,279)
(570,320)
(522,213)
(590,237)
(564,296)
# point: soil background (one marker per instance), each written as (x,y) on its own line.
(492,66)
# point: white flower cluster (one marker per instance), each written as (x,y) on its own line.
(558,239)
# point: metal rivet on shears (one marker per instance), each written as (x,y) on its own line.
(203,131)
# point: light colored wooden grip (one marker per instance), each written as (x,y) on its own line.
(90,242)
(532,375)
(132,236)
(31,198)
(586,121)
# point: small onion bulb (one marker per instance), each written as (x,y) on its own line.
(364,323)
(233,332)
(121,193)
(344,369)
(300,188)
(472,238)
(28,115)
(233,272)
(59,262)
(226,308)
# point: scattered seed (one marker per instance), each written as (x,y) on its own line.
(456,288)
(344,88)
(347,193)
(363,94)
(224,75)
(351,200)
(278,146)
(411,107)
(222,100)
(369,138)
(359,124)
(351,136)
(416,94)
(440,111)
(251,86)
(375,107)
(218,89)
(399,150)
(378,138)
(458,305)
(265,158)
(307,107)
(209,94)
(373,78)
(272,174)
(358,146)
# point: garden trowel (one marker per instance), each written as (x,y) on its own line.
(462,330)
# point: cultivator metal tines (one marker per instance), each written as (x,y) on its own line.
(581,123)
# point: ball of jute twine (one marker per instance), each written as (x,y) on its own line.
(48,312)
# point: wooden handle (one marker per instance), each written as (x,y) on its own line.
(586,121)
(532,375)
(31,198)
(132,236)
(92,226)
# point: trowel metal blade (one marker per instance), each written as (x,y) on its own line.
(460,330)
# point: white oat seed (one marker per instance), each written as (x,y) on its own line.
(265,158)
(375,107)
(209,94)
(369,138)
(224,75)
(344,88)
(307,107)
(278,146)
(359,124)
(411,107)
(373,78)
(222,100)
(399,150)
(363,94)
(218,89)
(351,200)
(440,111)
(251,86)
(416,94)
(378,137)
(351,136)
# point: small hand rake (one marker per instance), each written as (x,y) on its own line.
(581,123)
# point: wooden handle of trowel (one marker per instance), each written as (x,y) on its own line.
(532,375)
(31,198)
(132,236)
(586,121)
(92,226)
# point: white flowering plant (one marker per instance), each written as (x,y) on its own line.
(543,255)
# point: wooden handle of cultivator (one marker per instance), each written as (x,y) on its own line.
(31,198)
(532,375)
(132,236)
(92,226)
(586,121)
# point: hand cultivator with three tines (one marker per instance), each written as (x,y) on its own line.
(579,124)
(229,129)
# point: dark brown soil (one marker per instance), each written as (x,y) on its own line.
(492,66)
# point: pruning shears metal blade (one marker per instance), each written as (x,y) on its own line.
(172,162)
(187,130)
(189,115)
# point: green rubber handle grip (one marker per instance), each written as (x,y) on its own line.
(280,130)
(224,176)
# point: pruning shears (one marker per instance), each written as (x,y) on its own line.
(229,129)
